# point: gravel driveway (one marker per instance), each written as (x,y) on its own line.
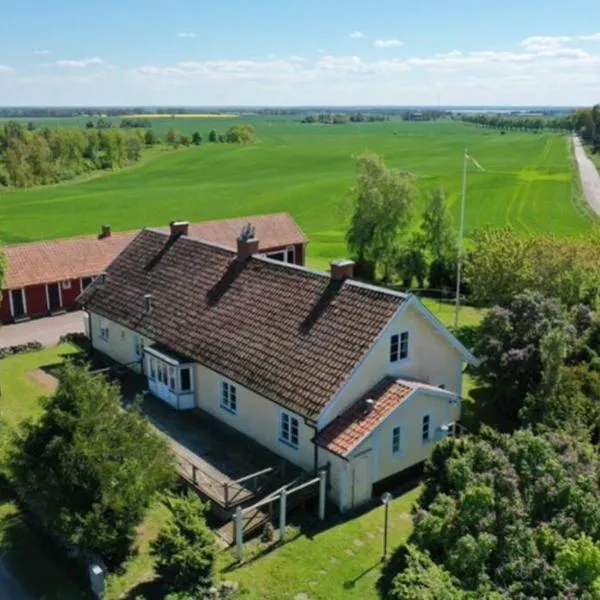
(46,330)
(590,179)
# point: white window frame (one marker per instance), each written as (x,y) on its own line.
(229,397)
(23,297)
(66,285)
(397,451)
(402,347)
(190,370)
(285,252)
(104,331)
(429,429)
(287,422)
(138,346)
(152,365)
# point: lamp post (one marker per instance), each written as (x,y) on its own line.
(386,498)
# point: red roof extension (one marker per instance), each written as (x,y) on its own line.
(59,260)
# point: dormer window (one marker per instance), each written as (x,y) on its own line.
(399,346)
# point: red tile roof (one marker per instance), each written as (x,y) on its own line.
(57,260)
(285,332)
(350,428)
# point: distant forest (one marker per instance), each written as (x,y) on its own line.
(37,157)
(585,122)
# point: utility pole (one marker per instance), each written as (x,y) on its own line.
(460,238)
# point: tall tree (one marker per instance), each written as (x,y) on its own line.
(173,137)
(88,469)
(382,209)
(509,346)
(437,232)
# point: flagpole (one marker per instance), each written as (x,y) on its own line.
(460,238)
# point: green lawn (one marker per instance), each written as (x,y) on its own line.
(343,561)
(307,170)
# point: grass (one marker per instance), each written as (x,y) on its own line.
(20,393)
(321,565)
(307,171)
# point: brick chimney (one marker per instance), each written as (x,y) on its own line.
(247,244)
(246,248)
(342,269)
(179,227)
(104,232)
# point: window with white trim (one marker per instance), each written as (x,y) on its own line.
(104,330)
(172,387)
(229,397)
(399,346)
(289,430)
(396,440)
(185,376)
(152,368)
(138,346)
(66,285)
(426,428)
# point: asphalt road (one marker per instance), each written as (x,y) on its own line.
(46,330)
(590,178)
(10,588)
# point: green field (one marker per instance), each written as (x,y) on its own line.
(307,170)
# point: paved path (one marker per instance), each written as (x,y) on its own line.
(590,178)
(10,588)
(46,330)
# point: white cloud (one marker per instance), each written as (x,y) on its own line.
(186,34)
(548,42)
(41,52)
(79,64)
(357,35)
(539,70)
(388,43)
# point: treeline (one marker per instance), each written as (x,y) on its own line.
(585,122)
(236,134)
(344,118)
(133,123)
(47,155)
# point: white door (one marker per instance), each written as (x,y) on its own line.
(362,483)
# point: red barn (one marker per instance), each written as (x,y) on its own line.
(46,277)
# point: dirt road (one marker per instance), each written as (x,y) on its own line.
(590,178)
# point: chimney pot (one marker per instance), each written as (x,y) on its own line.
(342,269)
(179,227)
(105,232)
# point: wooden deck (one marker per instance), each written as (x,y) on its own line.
(222,464)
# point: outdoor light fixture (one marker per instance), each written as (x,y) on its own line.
(386,498)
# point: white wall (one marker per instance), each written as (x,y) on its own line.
(120,345)
(431,360)
(256,417)
(413,450)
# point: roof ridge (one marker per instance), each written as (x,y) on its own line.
(286,265)
(84,236)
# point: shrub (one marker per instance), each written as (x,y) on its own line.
(185,548)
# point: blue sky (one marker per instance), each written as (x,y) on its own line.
(290,52)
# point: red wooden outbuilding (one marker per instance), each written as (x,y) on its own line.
(44,278)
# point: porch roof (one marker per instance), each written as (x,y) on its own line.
(162,352)
(350,428)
